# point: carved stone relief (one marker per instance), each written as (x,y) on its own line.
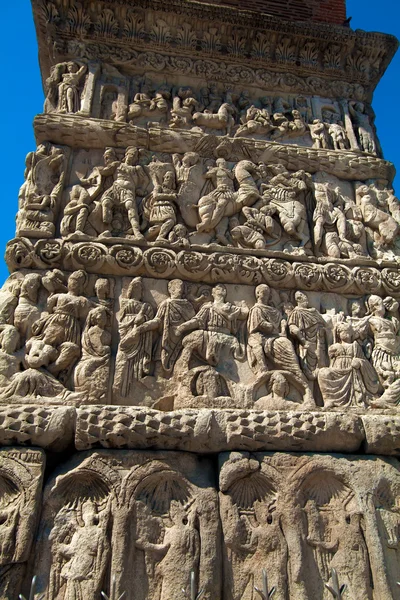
(148,519)
(21,476)
(299,517)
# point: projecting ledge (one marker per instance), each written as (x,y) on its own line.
(56,428)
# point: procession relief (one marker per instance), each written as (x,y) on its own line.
(77,338)
(185,201)
(210,108)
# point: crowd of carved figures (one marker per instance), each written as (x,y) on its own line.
(148,519)
(189,342)
(184,200)
(334,124)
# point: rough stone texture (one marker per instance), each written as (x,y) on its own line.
(205,261)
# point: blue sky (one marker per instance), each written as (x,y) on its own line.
(22,95)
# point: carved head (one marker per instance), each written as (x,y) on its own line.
(190,158)
(77,282)
(30,285)
(102,288)
(169,180)
(54,281)
(345,332)
(356,308)
(302,299)
(263,293)
(9,338)
(135,289)
(97,317)
(131,155)
(176,288)
(221,162)
(279,384)
(376,306)
(109,156)
(391,304)
(72,67)
(219,292)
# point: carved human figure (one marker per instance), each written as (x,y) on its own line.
(330,225)
(9,296)
(119,201)
(222,179)
(10,362)
(63,87)
(135,328)
(278,397)
(286,192)
(216,206)
(85,556)
(256,121)
(382,224)
(385,332)
(350,380)
(308,328)
(160,209)
(257,229)
(38,196)
(363,126)
(183,107)
(189,177)
(27,311)
(268,347)
(61,327)
(76,212)
(265,548)
(215,327)
(172,312)
(338,135)
(351,560)
(319,134)
(297,127)
(178,553)
(92,372)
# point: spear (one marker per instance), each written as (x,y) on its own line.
(113,592)
(336,590)
(32,592)
(264,593)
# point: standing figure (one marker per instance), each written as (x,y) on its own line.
(135,340)
(119,201)
(365,132)
(63,87)
(27,311)
(86,556)
(351,560)
(189,177)
(308,328)
(338,135)
(264,548)
(160,209)
(222,179)
(171,313)
(39,194)
(318,134)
